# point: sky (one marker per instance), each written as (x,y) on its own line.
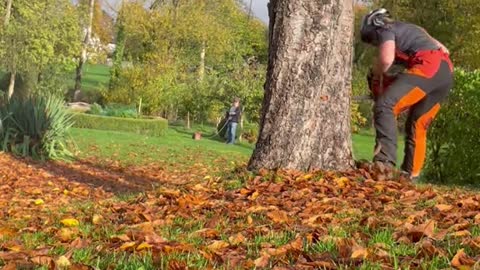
(259,7)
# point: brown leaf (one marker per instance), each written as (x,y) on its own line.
(462,261)
(424,230)
(177,265)
(13,256)
(278,216)
(43,260)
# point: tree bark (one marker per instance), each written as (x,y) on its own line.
(305,122)
(83,56)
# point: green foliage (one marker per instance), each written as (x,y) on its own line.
(455,135)
(114,110)
(357,119)
(151,127)
(36,127)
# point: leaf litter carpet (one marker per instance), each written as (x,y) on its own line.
(273,220)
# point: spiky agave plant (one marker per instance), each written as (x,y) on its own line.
(36,126)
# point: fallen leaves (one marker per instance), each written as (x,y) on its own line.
(280,220)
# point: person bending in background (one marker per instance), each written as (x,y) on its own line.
(233,118)
(426,82)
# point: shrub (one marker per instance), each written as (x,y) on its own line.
(35,126)
(152,127)
(114,110)
(455,135)
(357,119)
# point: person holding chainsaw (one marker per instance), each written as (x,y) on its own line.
(426,81)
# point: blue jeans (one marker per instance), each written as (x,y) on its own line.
(231,130)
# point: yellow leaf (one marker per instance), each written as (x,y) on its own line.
(63,262)
(50,183)
(70,222)
(307,176)
(56,189)
(255,195)
(218,245)
(143,246)
(97,219)
(39,202)
(65,234)
(342,182)
(379,188)
(249,220)
(127,246)
(65,192)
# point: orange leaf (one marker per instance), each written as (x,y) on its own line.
(237,239)
(462,261)
(463,233)
(278,216)
(207,233)
(443,207)
(359,253)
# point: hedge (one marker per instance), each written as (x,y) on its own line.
(151,127)
(455,135)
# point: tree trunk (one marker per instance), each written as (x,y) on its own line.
(8,12)
(83,56)
(305,121)
(13,74)
(11,85)
(201,70)
(188,120)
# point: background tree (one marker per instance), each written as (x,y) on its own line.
(38,43)
(305,120)
(82,59)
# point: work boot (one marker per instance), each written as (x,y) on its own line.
(382,170)
(408,177)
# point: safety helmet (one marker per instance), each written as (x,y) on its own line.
(375,19)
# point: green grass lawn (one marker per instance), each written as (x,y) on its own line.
(177,146)
(94,77)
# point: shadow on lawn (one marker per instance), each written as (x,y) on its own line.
(112,178)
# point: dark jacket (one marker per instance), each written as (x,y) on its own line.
(234,114)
